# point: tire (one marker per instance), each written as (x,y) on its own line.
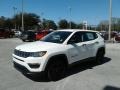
(100,56)
(23,40)
(56,70)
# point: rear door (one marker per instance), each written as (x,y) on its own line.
(90,39)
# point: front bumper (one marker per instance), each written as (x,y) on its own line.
(21,68)
(29,65)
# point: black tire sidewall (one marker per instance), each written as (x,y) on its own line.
(100,56)
(52,74)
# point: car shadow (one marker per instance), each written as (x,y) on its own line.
(82,66)
(73,69)
(111,88)
(38,77)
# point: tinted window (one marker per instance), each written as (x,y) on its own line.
(49,32)
(89,36)
(84,36)
(95,35)
(76,38)
(57,37)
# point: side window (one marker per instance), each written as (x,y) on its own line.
(87,36)
(90,36)
(95,35)
(76,38)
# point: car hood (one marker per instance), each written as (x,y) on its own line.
(37,46)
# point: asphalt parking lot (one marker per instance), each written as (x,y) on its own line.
(85,76)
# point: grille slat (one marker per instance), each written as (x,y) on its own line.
(21,53)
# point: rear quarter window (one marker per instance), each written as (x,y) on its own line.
(91,35)
(95,35)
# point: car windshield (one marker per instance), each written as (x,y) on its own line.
(56,37)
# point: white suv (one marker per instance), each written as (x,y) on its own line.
(57,50)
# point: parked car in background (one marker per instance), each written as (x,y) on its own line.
(43,33)
(117,37)
(28,36)
(105,34)
(17,33)
(5,33)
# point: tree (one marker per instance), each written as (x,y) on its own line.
(63,24)
(104,25)
(73,25)
(49,24)
(80,26)
(31,20)
(8,24)
(2,21)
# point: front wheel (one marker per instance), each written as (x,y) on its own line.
(56,70)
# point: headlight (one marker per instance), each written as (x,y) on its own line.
(39,54)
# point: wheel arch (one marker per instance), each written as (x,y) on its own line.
(101,49)
(63,57)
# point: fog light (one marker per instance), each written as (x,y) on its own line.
(34,65)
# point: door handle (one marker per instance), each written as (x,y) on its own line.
(84,45)
(96,42)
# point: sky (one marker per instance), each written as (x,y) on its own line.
(92,11)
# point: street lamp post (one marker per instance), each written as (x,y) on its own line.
(70,17)
(110,19)
(22,17)
(14,9)
(42,20)
(85,25)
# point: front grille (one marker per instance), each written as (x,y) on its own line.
(22,53)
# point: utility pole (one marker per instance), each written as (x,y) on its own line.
(14,9)
(22,17)
(110,19)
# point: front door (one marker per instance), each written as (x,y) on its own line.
(77,49)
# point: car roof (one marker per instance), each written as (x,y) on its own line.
(77,30)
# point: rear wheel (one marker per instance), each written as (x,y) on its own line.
(100,56)
(56,70)
(23,40)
